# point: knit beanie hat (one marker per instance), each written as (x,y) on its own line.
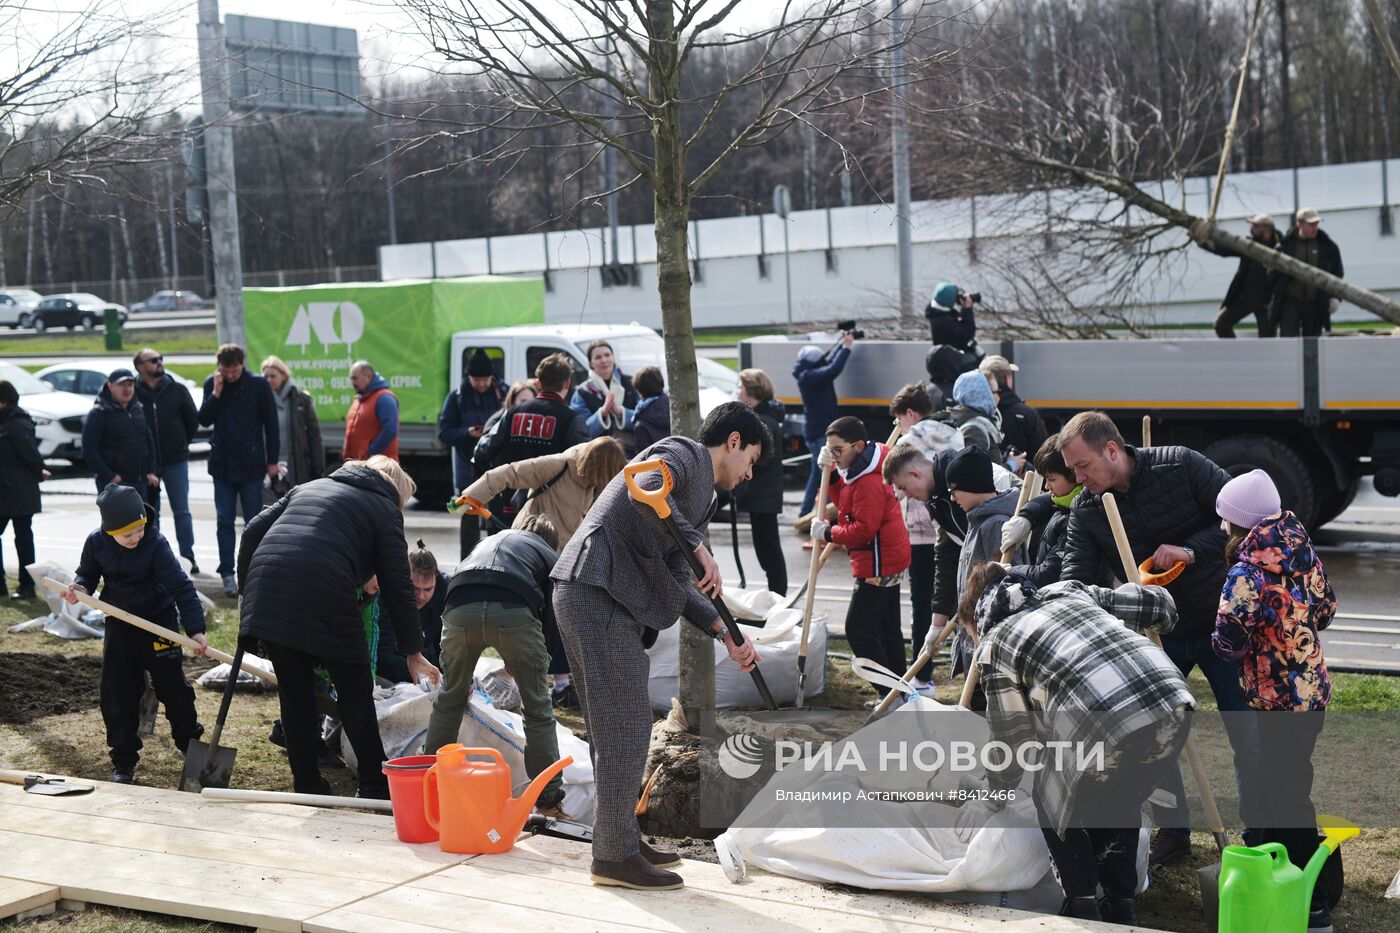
(971,471)
(1248,499)
(480,365)
(945,295)
(122,509)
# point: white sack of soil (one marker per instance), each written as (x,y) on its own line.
(750,605)
(403,713)
(64,620)
(778,643)
(216,678)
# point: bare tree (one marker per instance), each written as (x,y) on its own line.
(76,95)
(618,74)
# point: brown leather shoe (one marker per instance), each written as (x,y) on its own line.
(661,858)
(636,873)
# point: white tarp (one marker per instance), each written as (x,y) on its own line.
(778,644)
(403,713)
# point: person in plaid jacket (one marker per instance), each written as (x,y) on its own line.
(1068,662)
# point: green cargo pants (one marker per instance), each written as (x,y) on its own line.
(518,636)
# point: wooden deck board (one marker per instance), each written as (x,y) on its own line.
(18,896)
(295,868)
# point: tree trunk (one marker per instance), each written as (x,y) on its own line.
(696,680)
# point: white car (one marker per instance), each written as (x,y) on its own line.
(17,307)
(58,416)
(88,378)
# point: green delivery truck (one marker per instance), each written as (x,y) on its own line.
(403,328)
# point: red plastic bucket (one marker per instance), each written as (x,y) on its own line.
(406,794)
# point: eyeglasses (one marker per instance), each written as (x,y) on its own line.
(153,359)
(838,450)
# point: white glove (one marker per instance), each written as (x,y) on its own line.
(824,458)
(972,816)
(1332,305)
(1015,532)
(819,529)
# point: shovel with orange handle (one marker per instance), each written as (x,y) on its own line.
(655,499)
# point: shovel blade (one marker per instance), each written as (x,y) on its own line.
(1209,878)
(207,768)
(58,789)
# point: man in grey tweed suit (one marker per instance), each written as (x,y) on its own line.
(618,582)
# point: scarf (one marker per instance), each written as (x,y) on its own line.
(1068,498)
(614,388)
(283,401)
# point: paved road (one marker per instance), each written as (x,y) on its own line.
(153,320)
(1361,550)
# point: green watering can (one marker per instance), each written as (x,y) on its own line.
(1260,889)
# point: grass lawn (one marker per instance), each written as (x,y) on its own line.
(69,739)
(728,336)
(174,340)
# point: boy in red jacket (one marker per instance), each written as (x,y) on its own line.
(870,525)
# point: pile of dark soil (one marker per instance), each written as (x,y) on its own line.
(33,686)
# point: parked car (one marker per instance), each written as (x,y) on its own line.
(74,310)
(17,307)
(58,416)
(87,378)
(167,300)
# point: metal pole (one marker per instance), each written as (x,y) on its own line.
(389,184)
(787,272)
(899,146)
(223,191)
(174,245)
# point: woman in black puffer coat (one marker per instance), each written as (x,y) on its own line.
(21,472)
(762,496)
(299,565)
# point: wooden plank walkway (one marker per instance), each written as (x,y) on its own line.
(25,898)
(297,868)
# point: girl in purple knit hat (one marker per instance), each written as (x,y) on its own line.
(1275,601)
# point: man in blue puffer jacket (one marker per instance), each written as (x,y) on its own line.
(816,374)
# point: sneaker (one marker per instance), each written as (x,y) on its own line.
(566,698)
(660,858)
(1167,848)
(123,775)
(636,873)
(22,594)
(1119,910)
(230,585)
(1320,920)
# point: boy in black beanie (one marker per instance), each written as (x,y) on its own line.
(973,488)
(139,573)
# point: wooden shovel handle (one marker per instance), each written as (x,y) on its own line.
(160,631)
(1030,488)
(1131,575)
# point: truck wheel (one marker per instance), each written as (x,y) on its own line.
(1237,455)
(1334,502)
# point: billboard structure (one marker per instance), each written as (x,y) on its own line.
(274,64)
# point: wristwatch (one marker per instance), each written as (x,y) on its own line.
(1190,556)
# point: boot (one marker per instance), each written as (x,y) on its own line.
(660,858)
(636,873)
(1167,848)
(1120,910)
(1080,908)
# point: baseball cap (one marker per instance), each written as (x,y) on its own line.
(1306,215)
(1264,219)
(121,375)
(994,363)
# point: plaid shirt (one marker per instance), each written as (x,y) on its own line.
(1067,656)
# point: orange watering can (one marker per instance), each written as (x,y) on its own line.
(467,800)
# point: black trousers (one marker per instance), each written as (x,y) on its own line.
(872,627)
(769,550)
(1100,844)
(24,549)
(1226,320)
(127,652)
(1286,743)
(354,688)
(921,596)
(1301,319)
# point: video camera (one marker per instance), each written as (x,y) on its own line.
(849,327)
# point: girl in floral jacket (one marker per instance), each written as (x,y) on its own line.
(1275,601)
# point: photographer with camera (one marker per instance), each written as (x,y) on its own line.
(952,322)
(816,374)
